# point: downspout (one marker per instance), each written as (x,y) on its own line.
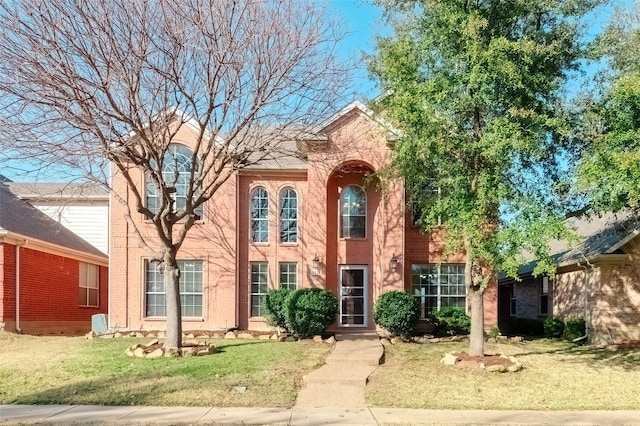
(18,245)
(237,261)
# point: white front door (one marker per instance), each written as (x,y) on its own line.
(353,296)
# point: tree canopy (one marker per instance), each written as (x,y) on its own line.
(476,88)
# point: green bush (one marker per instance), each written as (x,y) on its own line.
(396,312)
(451,321)
(309,311)
(553,327)
(527,327)
(575,327)
(275,304)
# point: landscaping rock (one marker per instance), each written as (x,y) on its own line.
(449,359)
(496,369)
(516,339)
(317,339)
(90,335)
(275,337)
(240,389)
(245,336)
(117,335)
(331,340)
(138,352)
(290,339)
(230,335)
(153,342)
(264,337)
(155,354)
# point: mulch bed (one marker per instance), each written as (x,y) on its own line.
(488,360)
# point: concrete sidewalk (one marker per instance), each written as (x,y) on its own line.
(80,414)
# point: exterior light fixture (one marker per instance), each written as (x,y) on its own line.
(393,264)
(315,270)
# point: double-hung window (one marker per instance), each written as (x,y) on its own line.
(89,284)
(437,286)
(191,295)
(353,212)
(544,296)
(259,215)
(288,216)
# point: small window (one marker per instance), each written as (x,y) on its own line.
(259,288)
(89,284)
(544,296)
(259,216)
(353,212)
(289,275)
(288,216)
(513,306)
(191,295)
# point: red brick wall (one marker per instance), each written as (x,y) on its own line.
(49,288)
(7,283)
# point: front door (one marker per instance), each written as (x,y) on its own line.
(353,296)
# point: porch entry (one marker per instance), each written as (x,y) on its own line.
(353,296)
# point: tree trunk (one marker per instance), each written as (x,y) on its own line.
(171,276)
(475,303)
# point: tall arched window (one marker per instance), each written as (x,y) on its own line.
(259,215)
(288,216)
(176,171)
(353,212)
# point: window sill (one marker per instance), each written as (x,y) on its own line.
(289,244)
(184,319)
(256,319)
(353,238)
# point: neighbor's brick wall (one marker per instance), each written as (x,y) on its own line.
(527,294)
(49,290)
(7,285)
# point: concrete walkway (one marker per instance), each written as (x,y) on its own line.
(332,394)
(342,380)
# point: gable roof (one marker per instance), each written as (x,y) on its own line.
(599,235)
(21,218)
(57,191)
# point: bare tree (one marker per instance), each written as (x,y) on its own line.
(96,82)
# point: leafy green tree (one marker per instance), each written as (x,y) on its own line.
(609,171)
(475,88)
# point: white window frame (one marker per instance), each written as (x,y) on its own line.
(288,216)
(421,273)
(352,208)
(287,270)
(258,288)
(89,284)
(259,215)
(153,277)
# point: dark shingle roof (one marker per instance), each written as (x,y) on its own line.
(599,235)
(19,217)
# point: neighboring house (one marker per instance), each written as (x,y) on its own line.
(51,280)
(81,208)
(597,279)
(310,219)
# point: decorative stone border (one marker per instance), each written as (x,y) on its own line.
(154,349)
(452,359)
(191,338)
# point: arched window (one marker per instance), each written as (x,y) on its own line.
(176,171)
(288,216)
(353,212)
(259,215)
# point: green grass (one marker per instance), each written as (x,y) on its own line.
(557,376)
(73,370)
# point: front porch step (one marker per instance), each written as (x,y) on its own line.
(340,374)
(357,335)
(357,352)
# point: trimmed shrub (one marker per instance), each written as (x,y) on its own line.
(527,327)
(309,311)
(553,327)
(275,304)
(451,321)
(575,327)
(396,312)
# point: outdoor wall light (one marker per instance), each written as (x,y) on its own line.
(393,264)
(315,269)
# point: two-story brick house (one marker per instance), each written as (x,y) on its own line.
(313,219)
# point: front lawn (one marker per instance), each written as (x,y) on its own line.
(556,376)
(74,370)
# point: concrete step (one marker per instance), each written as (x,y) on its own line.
(333,395)
(340,374)
(357,352)
(357,335)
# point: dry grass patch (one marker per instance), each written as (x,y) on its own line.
(556,376)
(73,370)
